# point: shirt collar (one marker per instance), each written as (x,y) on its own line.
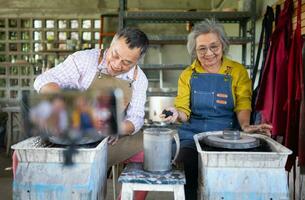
(103,67)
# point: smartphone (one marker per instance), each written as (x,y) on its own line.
(71,116)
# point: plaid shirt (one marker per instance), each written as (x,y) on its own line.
(78,71)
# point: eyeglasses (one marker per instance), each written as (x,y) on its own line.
(204,49)
(123,63)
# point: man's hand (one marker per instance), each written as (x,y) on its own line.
(127,128)
(49,88)
(113,139)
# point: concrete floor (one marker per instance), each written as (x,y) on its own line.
(6,176)
(6,180)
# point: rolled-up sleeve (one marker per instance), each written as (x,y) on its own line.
(135,111)
(66,75)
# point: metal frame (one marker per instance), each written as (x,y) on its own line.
(185,16)
(246,20)
(104,34)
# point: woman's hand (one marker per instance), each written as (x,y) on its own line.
(171,118)
(258,128)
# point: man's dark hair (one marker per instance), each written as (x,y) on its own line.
(135,38)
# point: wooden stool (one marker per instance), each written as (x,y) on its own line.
(134,177)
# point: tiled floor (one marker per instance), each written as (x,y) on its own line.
(6,179)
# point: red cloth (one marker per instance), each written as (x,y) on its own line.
(137,158)
(15,163)
(302,118)
(272,94)
(294,92)
(138,195)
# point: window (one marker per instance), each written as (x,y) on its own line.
(27,40)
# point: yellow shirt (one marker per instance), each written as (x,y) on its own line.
(241,85)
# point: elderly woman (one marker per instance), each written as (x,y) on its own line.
(214,93)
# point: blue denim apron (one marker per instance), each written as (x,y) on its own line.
(212,106)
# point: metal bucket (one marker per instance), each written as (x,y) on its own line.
(158,149)
(157,104)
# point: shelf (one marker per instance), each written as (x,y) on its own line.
(182,39)
(163,39)
(63,52)
(245,21)
(153,80)
(240,40)
(165,94)
(55,51)
(49,29)
(107,34)
(109,15)
(161,92)
(17,63)
(163,66)
(58,51)
(162,17)
(171,66)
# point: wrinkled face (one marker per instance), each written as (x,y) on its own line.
(120,58)
(209,50)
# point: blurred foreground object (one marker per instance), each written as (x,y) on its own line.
(73,118)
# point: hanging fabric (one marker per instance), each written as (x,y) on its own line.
(277,13)
(302,117)
(267,25)
(264,39)
(272,94)
(294,92)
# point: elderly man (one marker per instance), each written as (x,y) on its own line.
(82,71)
(88,69)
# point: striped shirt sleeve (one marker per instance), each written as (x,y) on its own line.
(73,72)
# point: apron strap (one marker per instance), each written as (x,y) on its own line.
(100,57)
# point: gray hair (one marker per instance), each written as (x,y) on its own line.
(204,27)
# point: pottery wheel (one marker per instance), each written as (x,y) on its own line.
(220,141)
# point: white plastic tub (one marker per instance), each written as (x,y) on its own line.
(41,174)
(242,175)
